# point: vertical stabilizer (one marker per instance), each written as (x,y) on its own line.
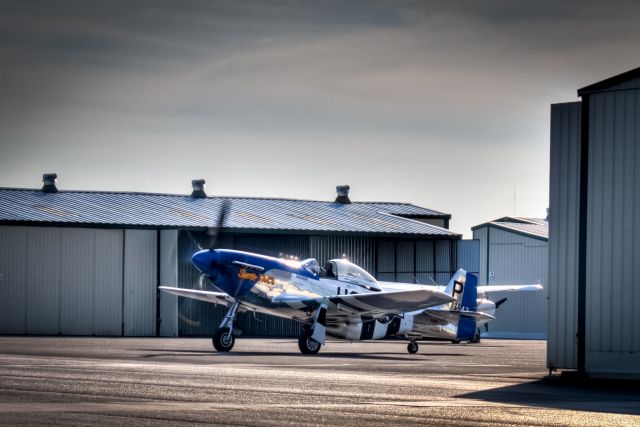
(455,287)
(468,302)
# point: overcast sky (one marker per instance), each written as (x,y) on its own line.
(443,104)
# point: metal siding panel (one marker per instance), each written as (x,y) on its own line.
(386,258)
(77,273)
(612,330)
(386,277)
(405,278)
(563,235)
(44,280)
(13,280)
(169,277)
(443,256)
(139,306)
(633,295)
(274,245)
(517,259)
(107,304)
(425,256)
(468,256)
(404,257)
(426,278)
(482,234)
(442,278)
(74,289)
(359,250)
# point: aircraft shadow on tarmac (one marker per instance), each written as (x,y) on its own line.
(559,392)
(241,355)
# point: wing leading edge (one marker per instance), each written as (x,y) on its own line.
(373,304)
(208,296)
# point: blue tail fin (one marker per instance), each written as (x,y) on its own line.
(468,302)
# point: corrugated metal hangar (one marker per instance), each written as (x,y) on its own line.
(514,250)
(594,245)
(89,263)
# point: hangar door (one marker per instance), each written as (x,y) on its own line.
(416,261)
(77,281)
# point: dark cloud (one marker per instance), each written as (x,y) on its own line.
(402,89)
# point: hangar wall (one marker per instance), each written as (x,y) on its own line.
(511,258)
(594,238)
(564,193)
(613,237)
(77,281)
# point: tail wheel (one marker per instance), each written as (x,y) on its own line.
(307,344)
(412,347)
(223,340)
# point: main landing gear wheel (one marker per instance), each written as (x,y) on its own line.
(223,340)
(475,339)
(307,344)
(412,347)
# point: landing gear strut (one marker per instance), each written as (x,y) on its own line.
(312,335)
(223,339)
(412,347)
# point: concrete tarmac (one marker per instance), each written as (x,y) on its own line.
(182,381)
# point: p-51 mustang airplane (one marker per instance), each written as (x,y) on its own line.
(341,300)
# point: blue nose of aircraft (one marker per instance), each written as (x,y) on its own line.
(207,261)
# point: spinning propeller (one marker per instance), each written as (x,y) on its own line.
(208,239)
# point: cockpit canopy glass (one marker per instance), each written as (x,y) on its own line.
(349,272)
(311,265)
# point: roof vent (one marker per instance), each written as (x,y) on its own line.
(343,194)
(49,180)
(198,188)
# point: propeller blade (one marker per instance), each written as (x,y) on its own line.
(500,302)
(202,282)
(209,239)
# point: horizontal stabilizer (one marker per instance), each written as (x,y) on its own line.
(443,316)
(500,288)
(208,296)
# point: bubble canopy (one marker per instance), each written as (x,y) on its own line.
(351,273)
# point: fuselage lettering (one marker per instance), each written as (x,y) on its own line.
(243,274)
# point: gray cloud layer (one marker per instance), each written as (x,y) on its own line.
(440,103)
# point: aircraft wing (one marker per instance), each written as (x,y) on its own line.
(499,288)
(438,316)
(208,296)
(377,304)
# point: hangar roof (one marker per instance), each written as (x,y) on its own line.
(621,81)
(245,214)
(533,227)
